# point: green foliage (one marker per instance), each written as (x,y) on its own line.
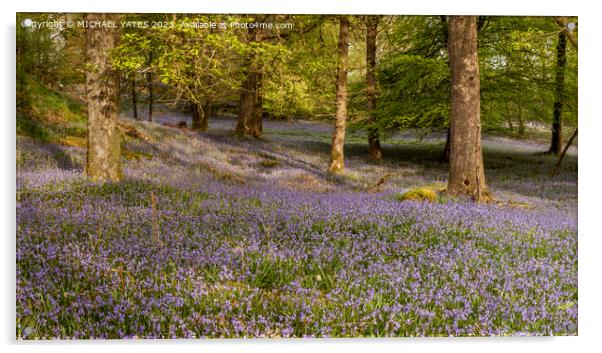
(517,57)
(289,97)
(414,93)
(131,55)
(200,65)
(301,83)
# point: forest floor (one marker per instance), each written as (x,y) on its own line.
(252,238)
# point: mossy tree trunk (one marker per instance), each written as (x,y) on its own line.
(466,171)
(102,86)
(374,149)
(556,143)
(337,158)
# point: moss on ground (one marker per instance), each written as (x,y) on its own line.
(419,194)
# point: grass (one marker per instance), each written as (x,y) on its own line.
(49,116)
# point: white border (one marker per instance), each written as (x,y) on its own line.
(590,96)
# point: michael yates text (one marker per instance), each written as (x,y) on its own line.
(97,24)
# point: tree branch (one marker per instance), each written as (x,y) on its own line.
(562,22)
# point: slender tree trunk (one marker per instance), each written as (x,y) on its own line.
(374,149)
(521,121)
(134,98)
(102,86)
(509,117)
(466,171)
(445,156)
(149,86)
(556,144)
(337,158)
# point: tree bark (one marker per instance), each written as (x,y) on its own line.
(445,156)
(102,86)
(200,116)
(466,171)
(208,113)
(256,123)
(521,120)
(134,98)
(247,101)
(374,149)
(556,143)
(149,86)
(251,109)
(509,117)
(197,116)
(337,158)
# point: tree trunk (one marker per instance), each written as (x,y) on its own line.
(466,172)
(337,158)
(247,101)
(149,86)
(134,98)
(102,87)
(256,123)
(197,116)
(521,121)
(556,144)
(208,113)
(200,116)
(445,156)
(251,110)
(509,117)
(374,149)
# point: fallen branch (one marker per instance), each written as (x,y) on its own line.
(155,219)
(131,131)
(566,148)
(381,184)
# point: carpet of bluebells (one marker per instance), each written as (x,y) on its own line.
(256,240)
